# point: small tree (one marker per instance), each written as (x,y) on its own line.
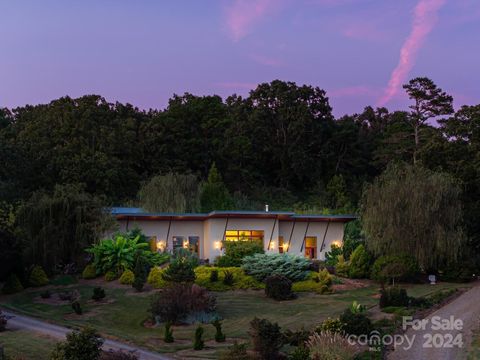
(168,336)
(359,263)
(267,338)
(79,345)
(219,335)
(141,273)
(181,268)
(214,193)
(198,344)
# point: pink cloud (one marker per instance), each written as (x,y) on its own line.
(424,19)
(265,60)
(242,15)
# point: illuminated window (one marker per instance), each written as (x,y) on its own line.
(193,242)
(244,235)
(280,244)
(311,247)
(178,242)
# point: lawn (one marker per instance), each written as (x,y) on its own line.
(124,317)
(28,345)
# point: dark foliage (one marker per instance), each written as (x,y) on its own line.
(355,323)
(77,308)
(297,338)
(181,268)
(98,293)
(228,278)
(393,296)
(235,251)
(214,275)
(168,335)
(79,345)
(267,338)
(12,285)
(279,287)
(219,335)
(198,343)
(141,272)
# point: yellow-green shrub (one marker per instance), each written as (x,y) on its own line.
(127,277)
(89,272)
(155,278)
(342,268)
(38,277)
(240,279)
(110,276)
(317,282)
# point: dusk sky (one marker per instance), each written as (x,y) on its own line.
(143,51)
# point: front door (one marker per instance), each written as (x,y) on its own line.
(311,247)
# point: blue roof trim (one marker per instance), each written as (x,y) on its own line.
(127,211)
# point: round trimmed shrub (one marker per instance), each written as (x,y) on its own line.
(12,285)
(278,287)
(398,267)
(110,276)
(155,278)
(38,277)
(359,263)
(89,272)
(355,323)
(127,278)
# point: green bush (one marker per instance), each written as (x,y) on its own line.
(359,263)
(330,325)
(300,353)
(355,323)
(228,278)
(38,277)
(317,282)
(198,343)
(278,287)
(79,345)
(127,277)
(267,338)
(342,268)
(242,281)
(77,308)
(168,335)
(155,278)
(98,293)
(331,257)
(214,275)
(393,296)
(235,251)
(235,352)
(181,268)
(89,272)
(12,285)
(219,335)
(395,267)
(141,272)
(110,276)
(260,266)
(325,278)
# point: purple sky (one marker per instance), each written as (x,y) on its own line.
(143,51)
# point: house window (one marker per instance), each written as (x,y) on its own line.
(178,242)
(193,244)
(244,235)
(311,247)
(280,244)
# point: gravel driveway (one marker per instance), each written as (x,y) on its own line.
(466,308)
(59,332)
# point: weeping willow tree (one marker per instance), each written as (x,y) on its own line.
(57,227)
(412,210)
(171,192)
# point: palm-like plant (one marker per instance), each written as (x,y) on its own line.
(117,254)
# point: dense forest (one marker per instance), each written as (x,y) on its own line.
(280,145)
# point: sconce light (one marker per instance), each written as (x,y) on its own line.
(285,246)
(185,244)
(161,245)
(272,245)
(337,243)
(217,245)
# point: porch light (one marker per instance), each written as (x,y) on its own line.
(337,243)
(285,246)
(272,245)
(217,245)
(161,245)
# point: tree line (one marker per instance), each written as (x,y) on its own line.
(279,145)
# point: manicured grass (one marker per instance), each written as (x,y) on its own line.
(27,344)
(124,317)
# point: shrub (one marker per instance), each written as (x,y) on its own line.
(260,266)
(174,303)
(3,322)
(400,267)
(326,345)
(219,335)
(342,268)
(393,296)
(141,271)
(168,335)
(355,323)
(98,293)
(155,278)
(235,352)
(267,338)
(181,268)
(12,285)
(278,287)
(325,278)
(67,295)
(296,338)
(214,275)
(45,294)
(118,355)
(241,280)
(359,263)
(331,257)
(198,343)
(89,272)
(458,272)
(77,308)
(317,282)
(356,307)
(110,276)
(127,277)
(330,325)
(79,345)
(228,278)
(38,277)
(300,353)
(235,251)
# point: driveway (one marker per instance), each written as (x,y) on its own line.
(465,308)
(23,322)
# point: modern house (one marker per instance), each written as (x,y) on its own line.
(203,233)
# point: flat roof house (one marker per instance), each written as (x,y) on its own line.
(203,233)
